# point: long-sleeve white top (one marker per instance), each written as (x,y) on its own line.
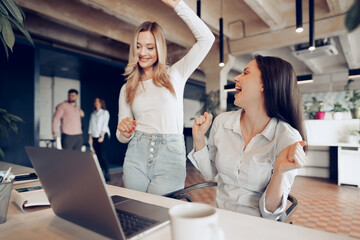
(99,121)
(156,109)
(244,174)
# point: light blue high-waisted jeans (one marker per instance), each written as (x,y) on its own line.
(155,163)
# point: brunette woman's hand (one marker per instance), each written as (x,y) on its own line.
(171,3)
(126,127)
(200,127)
(290,158)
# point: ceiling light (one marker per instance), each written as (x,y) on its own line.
(198,9)
(230,88)
(221,37)
(354,73)
(299,21)
(304,79)
(311,25)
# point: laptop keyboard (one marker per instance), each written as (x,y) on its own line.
(132,223)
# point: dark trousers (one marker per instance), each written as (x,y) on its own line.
(100,150)
(73,142)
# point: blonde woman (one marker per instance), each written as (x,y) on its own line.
(151,105)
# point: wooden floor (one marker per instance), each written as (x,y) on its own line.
(323,205)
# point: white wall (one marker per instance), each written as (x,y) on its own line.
(191,107)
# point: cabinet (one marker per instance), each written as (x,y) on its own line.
(349,165)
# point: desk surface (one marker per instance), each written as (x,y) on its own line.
(44,224)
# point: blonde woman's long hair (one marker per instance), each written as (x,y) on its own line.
(133,71)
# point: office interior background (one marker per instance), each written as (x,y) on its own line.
(84,45)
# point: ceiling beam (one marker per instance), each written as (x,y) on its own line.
(80,16)
(350,45)
(269,12)
(314,68)
(58,34)
(323,28)
(336,6)
(136,12)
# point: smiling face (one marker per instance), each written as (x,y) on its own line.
(146,50)
(249,86)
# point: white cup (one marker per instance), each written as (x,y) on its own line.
(195,221)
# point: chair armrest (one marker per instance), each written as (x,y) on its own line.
(290,210)
(179,194)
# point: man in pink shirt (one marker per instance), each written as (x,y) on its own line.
(70,115)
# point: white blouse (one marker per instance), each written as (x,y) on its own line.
(156,109)
(99,121)
(243,175)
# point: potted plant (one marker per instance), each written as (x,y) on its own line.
(8,122)
(337,110)
(314,109)
(354,98)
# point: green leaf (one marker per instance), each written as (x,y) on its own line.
(352,19)
(3,9)
(5,46)
(23,30)
(13,9)
(8,33)
(22,13)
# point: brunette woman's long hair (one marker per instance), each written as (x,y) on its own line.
(282,96)
(133,71)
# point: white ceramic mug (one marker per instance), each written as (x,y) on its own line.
(195,221)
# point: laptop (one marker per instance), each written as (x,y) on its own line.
(75,186)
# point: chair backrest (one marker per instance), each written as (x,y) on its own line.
(181,194)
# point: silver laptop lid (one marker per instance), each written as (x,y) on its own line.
(75,187)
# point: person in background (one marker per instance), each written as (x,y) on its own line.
(99,133)
(255,152)
(151,105)
(70,115)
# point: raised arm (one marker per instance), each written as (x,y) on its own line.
(203,156)
(204,40)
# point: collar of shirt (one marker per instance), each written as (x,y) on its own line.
(233,123)
(99,112)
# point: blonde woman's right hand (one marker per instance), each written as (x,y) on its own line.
(127,126)
(202,125)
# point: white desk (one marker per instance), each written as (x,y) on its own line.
(45,225)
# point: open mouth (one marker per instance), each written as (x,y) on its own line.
(239,89)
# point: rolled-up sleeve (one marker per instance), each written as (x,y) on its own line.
(202,162)
(286,185)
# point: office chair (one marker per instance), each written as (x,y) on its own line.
(181,194)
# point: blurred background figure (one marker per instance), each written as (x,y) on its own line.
(99,134)
(70,115)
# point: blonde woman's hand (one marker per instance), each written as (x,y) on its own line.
(171,3)
(292,157)
(127,126)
